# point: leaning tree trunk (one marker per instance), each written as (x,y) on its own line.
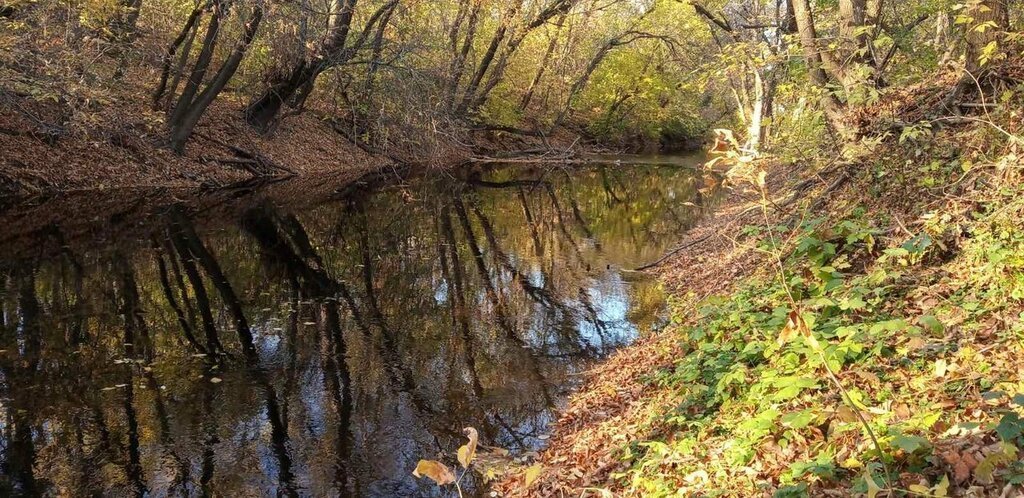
(459,56)
(292,89)
(552,43)
(262,113)
(193,104)
(184,42)
(477,95)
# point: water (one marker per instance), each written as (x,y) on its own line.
(303,340)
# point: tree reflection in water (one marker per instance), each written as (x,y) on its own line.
(323,351)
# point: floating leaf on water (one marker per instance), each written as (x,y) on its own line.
(434,470)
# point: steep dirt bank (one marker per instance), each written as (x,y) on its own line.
(47,148)
(903,273)
(124,150)
(617,403)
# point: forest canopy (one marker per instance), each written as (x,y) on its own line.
(632,74)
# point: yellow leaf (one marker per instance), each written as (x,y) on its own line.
(852,463)
(873,488)
(533,473)
(468,451)
(919,489)
(941,489)
(940,367)
(791,329)
(795,324)
(434,470)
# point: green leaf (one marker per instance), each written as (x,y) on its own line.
(1010,427)
(798,420)
(910,444)
(931,324)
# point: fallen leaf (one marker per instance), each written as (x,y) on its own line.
(533,473)
(434,470)
(467,452)
(916,343)
(873,488)
(962,463)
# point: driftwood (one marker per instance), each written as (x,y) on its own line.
(673,252)
(255,163)
(47,136)
(509,129)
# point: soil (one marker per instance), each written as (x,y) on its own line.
(126,150)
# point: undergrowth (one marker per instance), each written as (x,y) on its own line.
(921,328)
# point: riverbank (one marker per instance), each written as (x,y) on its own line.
(123,147)
(124,150)
(857,330)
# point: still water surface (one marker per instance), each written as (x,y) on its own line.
(277,347)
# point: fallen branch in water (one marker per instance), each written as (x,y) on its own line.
(675,251)
(538,155)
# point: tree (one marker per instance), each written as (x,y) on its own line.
(293,87)
(476,95)
(808,35)
(192,102)
(985,21)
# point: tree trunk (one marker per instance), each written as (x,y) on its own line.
(853,24)
(515,40)
(191,107)
(488,58)
(283,88)
(809,43)
(552,43)
(989,20)
(183,40)
(458,65)
(293,89)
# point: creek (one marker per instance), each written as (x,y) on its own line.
(314,339)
